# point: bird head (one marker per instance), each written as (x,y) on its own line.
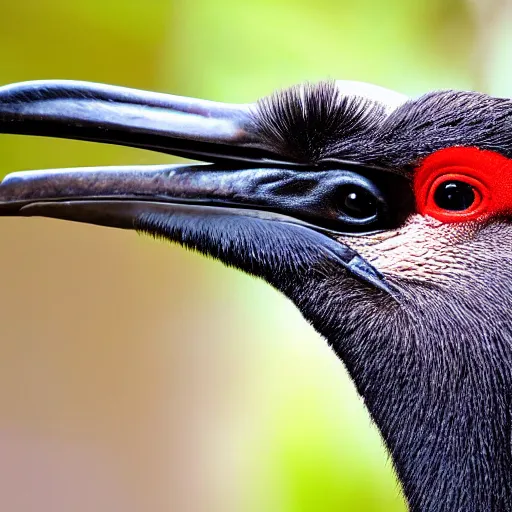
(385,198)
(385,219)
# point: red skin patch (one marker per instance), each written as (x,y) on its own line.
(489,173)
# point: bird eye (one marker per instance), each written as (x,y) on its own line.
(462,184)
(357,203)
(454,195)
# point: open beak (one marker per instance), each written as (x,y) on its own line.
(246,181)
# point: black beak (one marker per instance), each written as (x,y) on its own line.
(247,181)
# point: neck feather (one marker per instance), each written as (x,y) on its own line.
(437,380)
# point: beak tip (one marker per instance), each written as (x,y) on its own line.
(17,187)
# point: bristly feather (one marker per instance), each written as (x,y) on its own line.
(439,120)
(317,123)
(303,122)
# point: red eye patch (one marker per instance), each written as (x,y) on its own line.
(458,184)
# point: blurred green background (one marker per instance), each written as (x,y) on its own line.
(137,376)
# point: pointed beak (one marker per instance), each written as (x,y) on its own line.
(246,181)
(192,128)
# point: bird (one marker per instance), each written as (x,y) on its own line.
(386,219)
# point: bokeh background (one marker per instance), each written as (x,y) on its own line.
(136,376)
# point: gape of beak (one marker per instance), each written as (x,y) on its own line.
(252,208)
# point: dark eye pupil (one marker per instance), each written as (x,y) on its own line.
(357,203)
(454,195)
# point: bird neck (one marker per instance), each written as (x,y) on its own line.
(440,393)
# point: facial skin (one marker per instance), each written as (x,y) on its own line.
(423,249)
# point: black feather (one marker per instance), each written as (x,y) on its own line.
(439,120)
(303,122)
(315,124)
